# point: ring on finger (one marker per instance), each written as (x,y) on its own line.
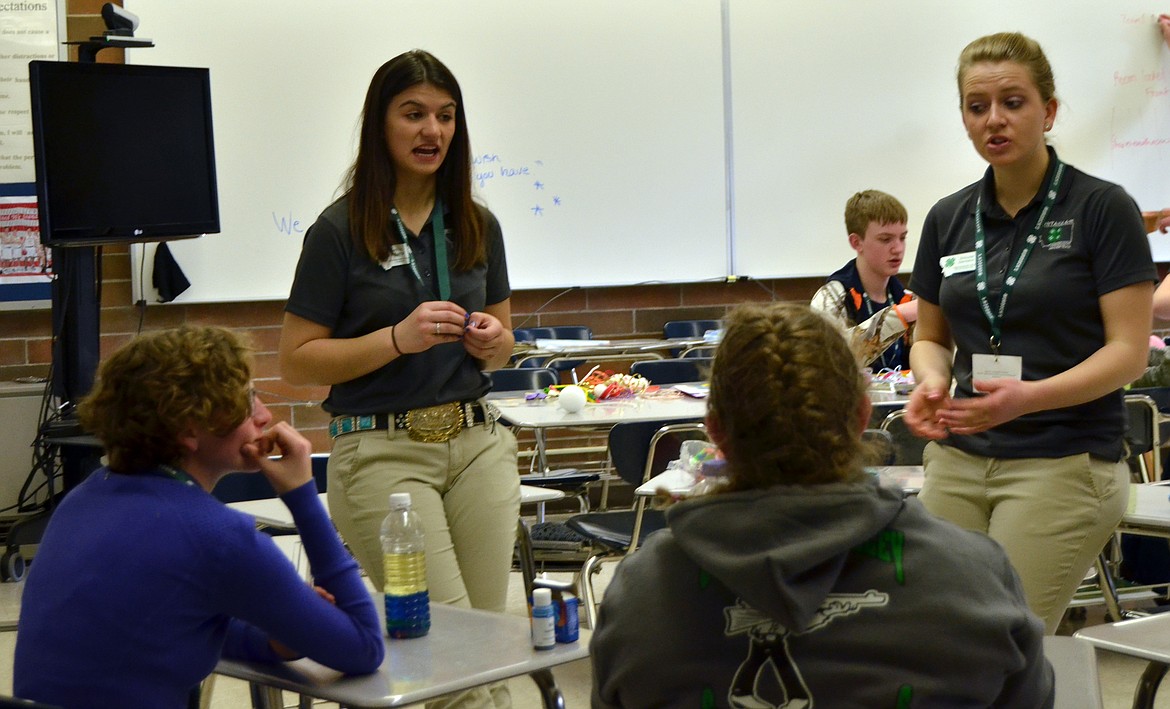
(436,328)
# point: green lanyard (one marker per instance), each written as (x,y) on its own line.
(995,318)
(177,474)
(440,233)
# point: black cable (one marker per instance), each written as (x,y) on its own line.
(141,304)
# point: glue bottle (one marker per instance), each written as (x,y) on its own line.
(544,629)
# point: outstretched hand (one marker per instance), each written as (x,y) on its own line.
(932,413)
(1002,400)
(923,411)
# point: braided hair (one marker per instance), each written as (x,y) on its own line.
(786,394)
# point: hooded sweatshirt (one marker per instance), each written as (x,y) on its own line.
(832,596)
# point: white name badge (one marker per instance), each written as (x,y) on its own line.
(957,263)
(985,366)
(398,257)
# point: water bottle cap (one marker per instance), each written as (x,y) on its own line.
(541,597)
(399,500)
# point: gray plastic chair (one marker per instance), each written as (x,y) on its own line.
(907,446)
(523,379)
(638,451)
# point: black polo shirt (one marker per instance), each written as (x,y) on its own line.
(337,285)
(1094,243)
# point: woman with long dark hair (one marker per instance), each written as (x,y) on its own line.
(400,301)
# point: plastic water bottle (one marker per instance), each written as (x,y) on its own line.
(408,607)
(543,620)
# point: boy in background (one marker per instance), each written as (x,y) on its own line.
(865,296)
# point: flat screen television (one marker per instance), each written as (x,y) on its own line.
(123,152)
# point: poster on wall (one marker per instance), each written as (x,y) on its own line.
(29,29)
(25,265)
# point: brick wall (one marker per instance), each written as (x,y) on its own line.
(627,311)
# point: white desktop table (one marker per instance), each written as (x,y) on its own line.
(679,482)
(665,403)
(1074,667)
(271,512)
(1147,514)
(465,648)
(1148,511)
(543,414)
(1147,638)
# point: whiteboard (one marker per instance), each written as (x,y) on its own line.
(836,96)
(599,124)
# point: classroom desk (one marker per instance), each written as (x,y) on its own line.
(543,414)
(465,648)
(546,413)
(271,512)
(1147,514)
(665,403)
(1074,667)
(1147,638)
(1148,511)
(679,482)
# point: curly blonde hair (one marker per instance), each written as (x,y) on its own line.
(786,394)
(157,385)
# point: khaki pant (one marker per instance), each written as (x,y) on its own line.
(467,492)
(1051,515)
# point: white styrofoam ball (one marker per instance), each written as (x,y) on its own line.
(598,390)
(572,398)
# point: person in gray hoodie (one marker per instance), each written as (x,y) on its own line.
(802,582)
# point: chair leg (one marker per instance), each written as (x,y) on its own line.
(1143,697)
(265,697)
(585,597)
(1108,588)
(640,508)
(527,556)
(550,694)
(588,596)
(603,505)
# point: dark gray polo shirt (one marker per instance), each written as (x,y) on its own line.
(337,285)
(1094,243)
